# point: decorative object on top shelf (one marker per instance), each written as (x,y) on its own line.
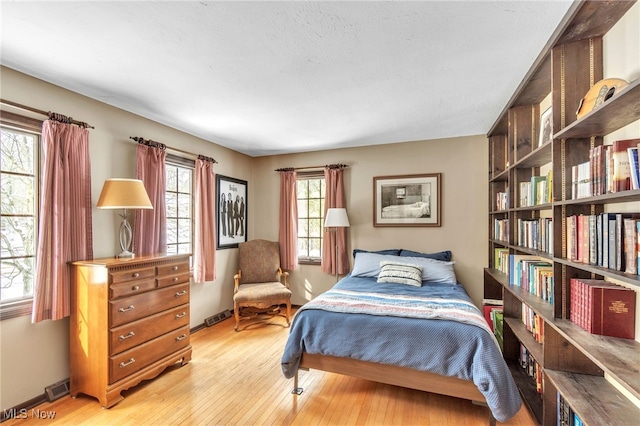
(546,127)
(599,93)
(125,194)
(232,211)
(419,204)
(336,218)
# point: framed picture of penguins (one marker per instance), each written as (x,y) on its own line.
(231,195)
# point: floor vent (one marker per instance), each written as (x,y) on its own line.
(217,318)
(57,390)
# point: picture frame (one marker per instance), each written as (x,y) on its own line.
(231,221)
(546,127)
(407,200)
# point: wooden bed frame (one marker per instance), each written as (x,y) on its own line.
(393,375)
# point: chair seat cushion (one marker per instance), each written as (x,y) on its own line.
(265,294)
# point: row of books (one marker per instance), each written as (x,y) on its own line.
(611,168)
(604,308)
(533,274)
(536,234)
(502,200)
(533,322)
(608,240)
(501,229)
(538,190)
(531,367)
(565,414)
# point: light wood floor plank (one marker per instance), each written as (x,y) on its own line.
(235,378)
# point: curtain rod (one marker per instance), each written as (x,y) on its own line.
(328,166)
(163,146)
(51,115)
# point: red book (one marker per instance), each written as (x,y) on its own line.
(621,165)
(611,309)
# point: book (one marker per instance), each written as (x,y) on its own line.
(620,161)
(630,245)
(633,164)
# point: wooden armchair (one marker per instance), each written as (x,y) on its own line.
(261,286)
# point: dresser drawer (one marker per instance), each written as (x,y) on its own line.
(131,274)
(128,362)
(173,269)
(130,288)
(137,332)
(177,279)
(132,308)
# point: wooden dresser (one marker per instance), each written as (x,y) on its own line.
(129,321)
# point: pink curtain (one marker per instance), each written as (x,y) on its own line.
(204,247)
(65,227)
(288,234)
(150,226)
(334,198)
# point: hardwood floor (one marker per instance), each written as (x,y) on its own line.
(235,378)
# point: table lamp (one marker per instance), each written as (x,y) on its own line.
(336,218)
(124,194)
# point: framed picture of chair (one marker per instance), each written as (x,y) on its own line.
(231,195)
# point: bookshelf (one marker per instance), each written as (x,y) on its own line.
(597,376)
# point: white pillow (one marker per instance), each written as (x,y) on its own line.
(434,270)
(368,264)
(400,273)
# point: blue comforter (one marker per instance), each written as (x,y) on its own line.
(439,345)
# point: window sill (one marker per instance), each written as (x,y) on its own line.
(309,262)
(15,309)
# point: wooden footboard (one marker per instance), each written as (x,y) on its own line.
(394,375)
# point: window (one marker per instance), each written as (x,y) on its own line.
(179,204)
(310,195)
(18,218)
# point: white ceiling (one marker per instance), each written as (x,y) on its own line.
(271,77)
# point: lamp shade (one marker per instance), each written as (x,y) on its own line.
(336,218)
(124,194)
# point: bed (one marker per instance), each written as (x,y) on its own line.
(414,210)
(388,328)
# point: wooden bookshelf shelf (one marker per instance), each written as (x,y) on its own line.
(597,376)
(527,387)
(604,404)
(525,336)
(622,109)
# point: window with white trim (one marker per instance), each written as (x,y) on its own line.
(19,159)
(179,204)
(310,190)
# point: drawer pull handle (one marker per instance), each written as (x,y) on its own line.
(181,293)
(182,315)
(129,308)
(135,288)
(175,279)
(184,336)
(124,364)
(126,336)
(175,268)
(135,275)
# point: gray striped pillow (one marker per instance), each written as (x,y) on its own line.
(400,273)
